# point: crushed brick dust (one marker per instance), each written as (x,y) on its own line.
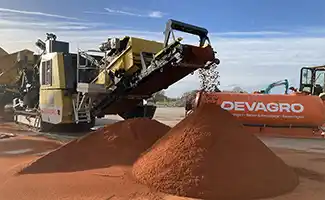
(209,155)
(117,144)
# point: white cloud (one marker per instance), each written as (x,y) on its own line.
(96,12)
(156,14)
(151,14)
(250,63)
(123,12)
(36,13)
(49,25)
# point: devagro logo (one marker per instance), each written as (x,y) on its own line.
(260,106)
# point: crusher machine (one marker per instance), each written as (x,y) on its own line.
(75,88)
(14,68)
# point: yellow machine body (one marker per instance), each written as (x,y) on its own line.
(55,106)
(129,60)
(74,89)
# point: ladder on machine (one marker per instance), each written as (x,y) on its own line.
(82,102)
(82,108)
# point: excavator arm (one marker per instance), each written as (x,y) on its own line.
(284,82)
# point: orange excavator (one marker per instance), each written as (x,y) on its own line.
(298,114)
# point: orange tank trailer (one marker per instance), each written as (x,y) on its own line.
(276,115)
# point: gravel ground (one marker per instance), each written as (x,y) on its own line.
(171,116)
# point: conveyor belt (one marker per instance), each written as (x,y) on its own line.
(169,68)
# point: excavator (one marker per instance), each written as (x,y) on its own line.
(268,89)
(68,91)
(298,114)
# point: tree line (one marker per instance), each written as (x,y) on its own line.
(160,98)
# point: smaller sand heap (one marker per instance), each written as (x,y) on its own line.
(117,144)
(209,155)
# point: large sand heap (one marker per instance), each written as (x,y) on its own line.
(209,155)
(117,144)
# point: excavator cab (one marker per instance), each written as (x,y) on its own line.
(312,80)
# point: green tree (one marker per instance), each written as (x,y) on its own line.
(160,96)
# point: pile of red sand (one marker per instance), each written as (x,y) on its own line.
(209,155)
(117,144)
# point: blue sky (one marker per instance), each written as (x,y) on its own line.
(258,42)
